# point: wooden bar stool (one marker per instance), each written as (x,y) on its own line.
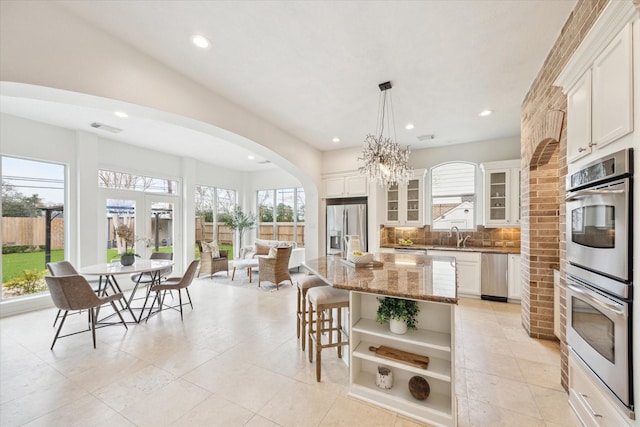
(303,286)
(323,300)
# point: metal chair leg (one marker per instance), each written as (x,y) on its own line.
(120,315)
(92,316)
(190,303)
(180,299)
(59,329)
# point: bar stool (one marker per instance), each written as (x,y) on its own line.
(304,285)
(323,300)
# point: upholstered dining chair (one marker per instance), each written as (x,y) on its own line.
(174,283)
(210,264)
(65,268)
(146,278)
(276,269)
(73,292)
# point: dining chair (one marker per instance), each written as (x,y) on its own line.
(146,278)
(173,283)
(73,292)
(65,268)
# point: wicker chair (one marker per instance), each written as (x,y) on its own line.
(211,265)
(276,269)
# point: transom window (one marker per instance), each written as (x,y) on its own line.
(127,181)
(453,196)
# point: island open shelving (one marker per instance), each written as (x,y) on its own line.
(433,338)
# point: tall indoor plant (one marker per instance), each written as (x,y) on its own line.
(241,221)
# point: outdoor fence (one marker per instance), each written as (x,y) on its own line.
(19,231)
(284,231)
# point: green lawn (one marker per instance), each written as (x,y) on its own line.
(14,265)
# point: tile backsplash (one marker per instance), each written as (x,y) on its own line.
(497,237)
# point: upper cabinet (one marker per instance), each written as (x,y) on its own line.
(404,202)
(501,193)
(598,81)
(345,186)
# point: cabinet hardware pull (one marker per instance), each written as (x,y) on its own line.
(586,402)
(581,149)
(592,144)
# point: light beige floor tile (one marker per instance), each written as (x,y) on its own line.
(258,421)
(482,414)
(495,364)
(298,404)
(541,374)
(83,412)
(536,350)
(28,381)
(166,404)
(500,392)
(349,412)
(553,406)
(402,421)
(215,411)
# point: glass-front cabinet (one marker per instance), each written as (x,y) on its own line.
(404,202)
(502,193)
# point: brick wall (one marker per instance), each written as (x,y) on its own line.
(543,168)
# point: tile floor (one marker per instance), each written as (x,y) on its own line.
(235,361)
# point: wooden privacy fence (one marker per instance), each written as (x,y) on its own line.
(204,231)
(18,231)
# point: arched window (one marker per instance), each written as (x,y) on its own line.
(453,196)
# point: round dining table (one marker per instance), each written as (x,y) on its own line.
(109,270)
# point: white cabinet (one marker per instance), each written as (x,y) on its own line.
(514,284)
(579,126)
(600,103)
(591,403)
(501,194)
(433,338)
(404,203)
(612,91)
(345,186)
(468,269)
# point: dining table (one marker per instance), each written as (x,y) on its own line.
(154,269)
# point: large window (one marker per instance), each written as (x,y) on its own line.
(281,214)
(453,196)
(213,206)
(32,224)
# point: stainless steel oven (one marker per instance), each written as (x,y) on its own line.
(599,212)
(599,332)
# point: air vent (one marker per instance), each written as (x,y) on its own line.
(264,162)
(107,128)
(426,137)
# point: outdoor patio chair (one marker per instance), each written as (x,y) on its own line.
(177,283)
(276,269)
(211,265)
(73,292)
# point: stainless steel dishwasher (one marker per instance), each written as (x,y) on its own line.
(494,285)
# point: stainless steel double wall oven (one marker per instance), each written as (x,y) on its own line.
(600,271)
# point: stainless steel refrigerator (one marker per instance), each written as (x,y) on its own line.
(346,217)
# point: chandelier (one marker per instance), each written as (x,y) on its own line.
(384,160)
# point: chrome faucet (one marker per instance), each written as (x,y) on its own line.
(464,242)
(458,238)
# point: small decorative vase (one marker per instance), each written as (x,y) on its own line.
(398,326)
(384,378)
(127,259)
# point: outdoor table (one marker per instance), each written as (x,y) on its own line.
(108,272)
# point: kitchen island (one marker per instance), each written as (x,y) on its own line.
(432,282)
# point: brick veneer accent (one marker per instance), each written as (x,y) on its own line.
(543,172)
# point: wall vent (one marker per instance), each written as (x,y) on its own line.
(107,128)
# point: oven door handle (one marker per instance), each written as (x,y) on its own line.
(587,193)
(596,301)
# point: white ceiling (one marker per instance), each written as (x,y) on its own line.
(312,68)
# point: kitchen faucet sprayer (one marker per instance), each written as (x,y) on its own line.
(458,238)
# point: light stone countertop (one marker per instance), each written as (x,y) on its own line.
(430,278)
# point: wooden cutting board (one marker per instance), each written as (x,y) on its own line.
(401,356)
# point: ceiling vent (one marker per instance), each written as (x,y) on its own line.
(264,162)
(428,137)
(107,128)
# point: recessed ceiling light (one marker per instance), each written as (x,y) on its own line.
(409,126)
(336,139)
(251,157)
(485,113)
(121,114)
(200,41)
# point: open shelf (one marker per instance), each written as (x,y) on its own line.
(419,337)
(438,368)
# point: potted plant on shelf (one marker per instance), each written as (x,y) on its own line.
(124,232)
(400,313)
